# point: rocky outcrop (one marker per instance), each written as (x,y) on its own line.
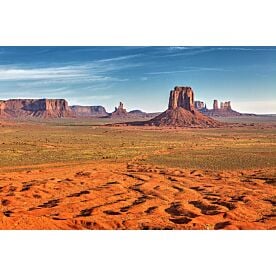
(225,106)
(120,111)
(199,105)
(181,111)
(44,108)
(225,110)
(2,109)
(215,105)
(183,97)
(89,111)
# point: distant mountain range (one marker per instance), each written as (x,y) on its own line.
(59,108)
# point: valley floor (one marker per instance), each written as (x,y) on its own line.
(66,176)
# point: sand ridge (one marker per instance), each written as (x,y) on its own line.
(109,195)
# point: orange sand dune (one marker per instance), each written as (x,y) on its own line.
(119,196)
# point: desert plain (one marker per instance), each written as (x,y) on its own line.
(85,174)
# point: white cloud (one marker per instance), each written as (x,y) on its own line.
(12,74)
(99,70)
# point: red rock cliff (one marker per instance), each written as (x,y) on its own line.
(54,108)
(182,96)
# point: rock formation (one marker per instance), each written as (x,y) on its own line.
(88,111)
(225,106)
(183,97)
(199,105)
(44,108)
(225,110)
(181,111)
(120,111)
(215,105)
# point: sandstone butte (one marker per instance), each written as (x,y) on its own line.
(225,109)
(181,111)
(120,111)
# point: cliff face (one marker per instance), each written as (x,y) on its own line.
(88,111)
(181,111)
(183,97)
(44,108)
(215,105)
(2,108)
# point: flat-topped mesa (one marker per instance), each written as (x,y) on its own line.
(46,108)
(89,111)
(182,96)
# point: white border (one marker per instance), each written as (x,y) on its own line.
(132,22)
(137,22)
(122,253)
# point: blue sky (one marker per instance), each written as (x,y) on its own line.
(141,77)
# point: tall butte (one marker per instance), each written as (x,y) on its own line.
(181,111)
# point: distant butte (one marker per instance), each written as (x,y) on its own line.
(42,108)
(181,111)
(120,111)
(89,111)
(225,109)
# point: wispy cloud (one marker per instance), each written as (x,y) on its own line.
(188,69)
(90,72)
(175,51)
(172,48)
(40,73)
(120,58)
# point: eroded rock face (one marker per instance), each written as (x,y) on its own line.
(54,108)
(181,111)
(89,111)
(2,108)
(225,110)
(225,105)
(199,105)
(215,105)
(120,111)
(182,96)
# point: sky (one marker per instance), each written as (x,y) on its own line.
(141,77)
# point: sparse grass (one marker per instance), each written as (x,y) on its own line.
(62,141)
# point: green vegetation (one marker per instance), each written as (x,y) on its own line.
(62,141)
